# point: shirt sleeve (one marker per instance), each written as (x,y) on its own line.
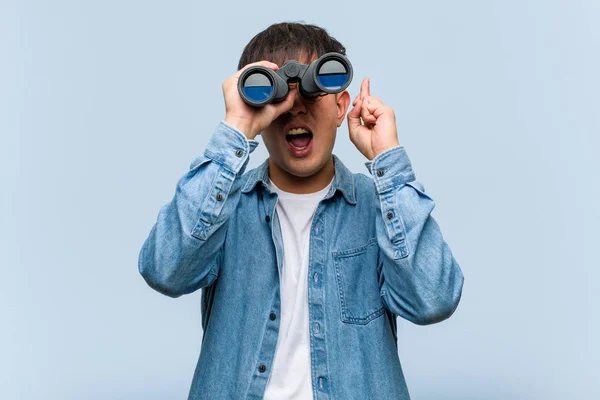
(419,278)
(182,252)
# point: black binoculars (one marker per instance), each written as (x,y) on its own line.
(330,73)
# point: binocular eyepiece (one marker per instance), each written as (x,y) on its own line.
(330,73)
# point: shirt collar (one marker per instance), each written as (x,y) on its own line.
(342,181)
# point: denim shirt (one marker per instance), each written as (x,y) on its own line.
(375,253)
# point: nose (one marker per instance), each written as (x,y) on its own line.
(299,107)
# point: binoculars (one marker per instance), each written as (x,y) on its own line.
(330,73)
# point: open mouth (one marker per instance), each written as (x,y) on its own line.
(299,138)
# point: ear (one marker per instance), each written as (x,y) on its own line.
(343,101)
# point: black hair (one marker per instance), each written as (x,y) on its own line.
(289,41)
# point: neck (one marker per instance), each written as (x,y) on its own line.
(298,184)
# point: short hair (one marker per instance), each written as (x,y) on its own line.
(289,41)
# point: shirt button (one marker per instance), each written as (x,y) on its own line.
(239,153)
(316,327)
(272,316)
(316,277)
(219,196)
(262,368)
(390,215)
(267,218)
(380,172)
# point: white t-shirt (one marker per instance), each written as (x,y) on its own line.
(290,377)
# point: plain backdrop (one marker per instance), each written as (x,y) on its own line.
(104,104)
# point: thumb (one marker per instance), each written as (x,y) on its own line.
(285,105)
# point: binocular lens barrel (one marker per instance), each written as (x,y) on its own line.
(332,75)
(258,86)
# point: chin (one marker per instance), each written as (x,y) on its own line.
(301,172)
(304,168)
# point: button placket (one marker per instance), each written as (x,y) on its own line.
(316,299)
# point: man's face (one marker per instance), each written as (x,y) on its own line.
(306,154)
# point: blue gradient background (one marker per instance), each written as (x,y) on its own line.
(103,105)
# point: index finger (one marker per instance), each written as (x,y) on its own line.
(365,89)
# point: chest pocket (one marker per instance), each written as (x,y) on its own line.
(358,284)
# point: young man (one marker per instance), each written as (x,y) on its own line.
(303,264)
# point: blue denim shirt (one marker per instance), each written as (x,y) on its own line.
(375,253)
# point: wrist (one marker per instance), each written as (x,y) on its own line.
(385,148)
(242,125)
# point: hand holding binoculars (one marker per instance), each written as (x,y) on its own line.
(330,73)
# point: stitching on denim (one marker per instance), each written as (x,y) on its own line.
(353,251)
(217,160)
(338,256)
(199,221)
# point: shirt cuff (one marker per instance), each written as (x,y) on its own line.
(229,147)
(391,168)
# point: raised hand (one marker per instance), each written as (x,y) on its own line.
(247,119)
(377,130)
